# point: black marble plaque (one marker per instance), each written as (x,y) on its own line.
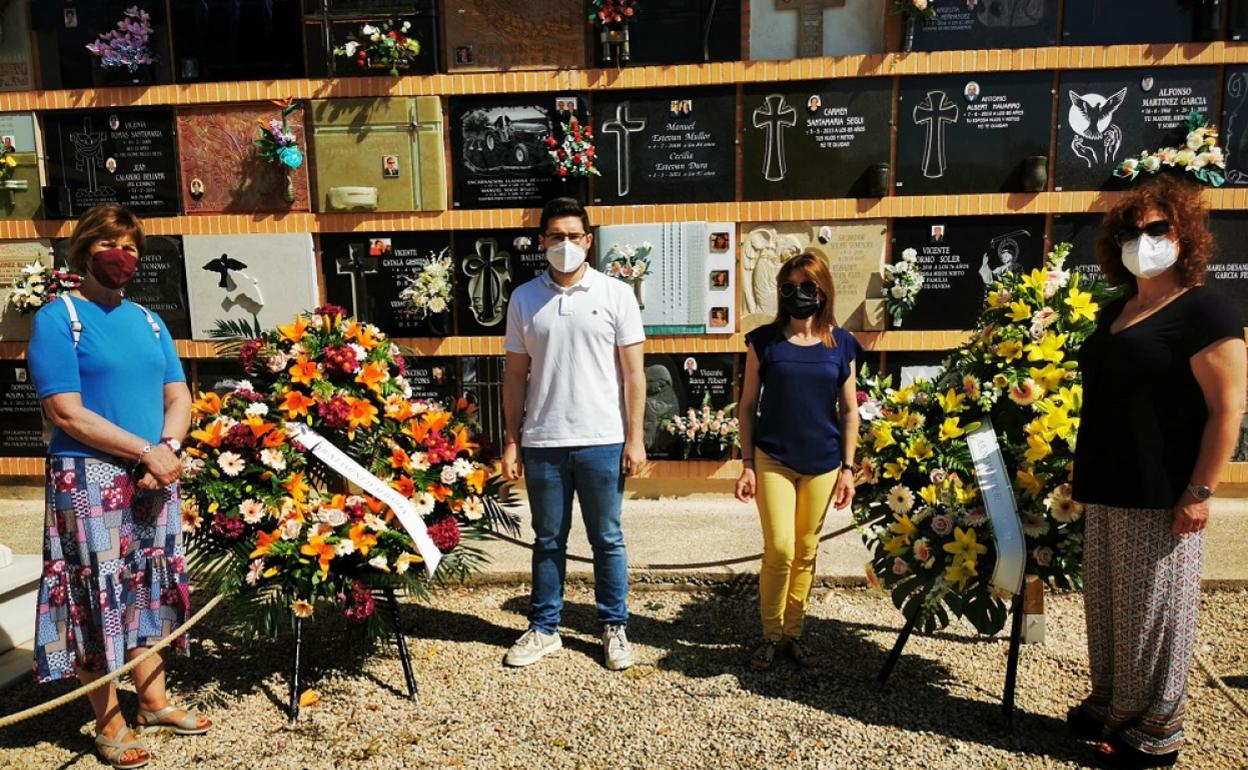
(1106,116)
(960,25)
(960,257)
(971,133)
(367,272)
(64,28)
(125,156)
(239,40)
(1234,126)
(499,151)
(1081,232)
(1227,271)
(433,378)
(21,419)
(1110,22)
(815,138)
(489,266)
(328,24)
(665,146)
(677,383)
(682,31)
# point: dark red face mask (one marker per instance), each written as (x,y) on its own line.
(113,268)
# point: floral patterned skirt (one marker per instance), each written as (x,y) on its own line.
(114,571)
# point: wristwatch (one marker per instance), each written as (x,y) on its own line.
(172,443)
(1200,491)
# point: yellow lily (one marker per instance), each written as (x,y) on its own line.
(1019,311)
(1047,349)
(1081,305)
(949,429)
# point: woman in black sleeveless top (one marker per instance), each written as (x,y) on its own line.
(1164,384)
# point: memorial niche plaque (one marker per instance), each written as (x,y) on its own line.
(64,28)
(489,266)
(433,378)
(971,133)
(249,40)
(960,257)
(17,130)
(789,29)
(1111,22)
(327,24)
(503,34)
(1081,232)
(498,147)
(1227,271)
(814,139)
(677,383)
(1106,116)
(1235,125)
(668,146)
(960,25)
(681,31)
(124,156)
(367,273)
(16,62)
(21,417)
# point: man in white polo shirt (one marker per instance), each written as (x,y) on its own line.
(574,395)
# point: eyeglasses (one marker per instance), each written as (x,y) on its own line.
(561,237)
(1156,229)
(807,289)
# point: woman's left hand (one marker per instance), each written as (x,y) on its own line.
(148,482)
(844,492)
(1190,515)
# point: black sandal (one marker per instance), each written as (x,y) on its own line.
(801,655)
(1116,753)
(1084,725)
(764,656)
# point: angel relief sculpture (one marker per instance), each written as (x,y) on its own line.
(762,254)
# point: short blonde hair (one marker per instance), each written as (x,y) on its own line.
(106,221)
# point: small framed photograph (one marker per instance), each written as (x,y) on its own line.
(565,105)
(814,103)
(691,365)
(379,247)
(71,18)
(719,280)
(938,234)
(114,123)
(10,143)
(390,166)
(719,242)
(111,165)
(463,54)
(719,317)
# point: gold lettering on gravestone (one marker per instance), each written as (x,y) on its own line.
(809,22)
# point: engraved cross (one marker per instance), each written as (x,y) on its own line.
(774,116)
(622,125)
(935,111)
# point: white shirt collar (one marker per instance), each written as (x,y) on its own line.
(587,282)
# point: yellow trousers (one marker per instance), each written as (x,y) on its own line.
(791,507)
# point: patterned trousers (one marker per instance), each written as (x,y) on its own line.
(1142,595)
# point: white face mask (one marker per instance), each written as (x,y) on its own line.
(1149,255)
(565,256)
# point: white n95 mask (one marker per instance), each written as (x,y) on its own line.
(565,256)
(1149,255)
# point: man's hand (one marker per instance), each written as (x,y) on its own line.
(634,457)
(512,469)
(163,464)
(1190,515)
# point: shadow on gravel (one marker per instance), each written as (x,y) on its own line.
(705,639)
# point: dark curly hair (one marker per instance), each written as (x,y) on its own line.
(1181,203)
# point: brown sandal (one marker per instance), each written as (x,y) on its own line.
(803,656)
(764,656)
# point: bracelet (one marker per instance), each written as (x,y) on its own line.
(848,466)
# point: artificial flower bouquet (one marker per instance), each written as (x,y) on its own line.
(429,291)
(1199,156)
(704,431)
(934,549)
(574,155)
(386,46)
(38,285)
(902,283)
(126,47)
(264,517)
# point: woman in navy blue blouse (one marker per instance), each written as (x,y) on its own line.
(799,431)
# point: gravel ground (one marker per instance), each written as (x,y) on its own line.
(691,703)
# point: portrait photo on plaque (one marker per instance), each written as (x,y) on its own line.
(971,254)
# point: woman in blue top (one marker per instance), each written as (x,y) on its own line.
(798,444)
(114,580)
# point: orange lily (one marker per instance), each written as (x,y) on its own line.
(294,332)
(476,480)
(363,414)
(296,404)
(405,486)
(304,371)
(371,375)
(436,420)
(418,430)
(297,488)
(398,458)
(466,406)
(264,542)
(259,428)
(374,504)
(324,552)
(207,403)
(440,492)
(398,408)
(363,335)
(211,435)
(363,541)
(274,439)
(462,442)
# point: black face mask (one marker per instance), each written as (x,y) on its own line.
(800,306)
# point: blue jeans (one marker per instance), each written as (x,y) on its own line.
(593,474)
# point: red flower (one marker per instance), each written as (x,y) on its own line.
(589,151)
(247,354)
(227,528)
(445,534)
(550,141)
(361,606)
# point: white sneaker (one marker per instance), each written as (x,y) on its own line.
(532,647)
(616,649)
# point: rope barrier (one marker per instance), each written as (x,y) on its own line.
(1219,685)
(43,708)
(689,565)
